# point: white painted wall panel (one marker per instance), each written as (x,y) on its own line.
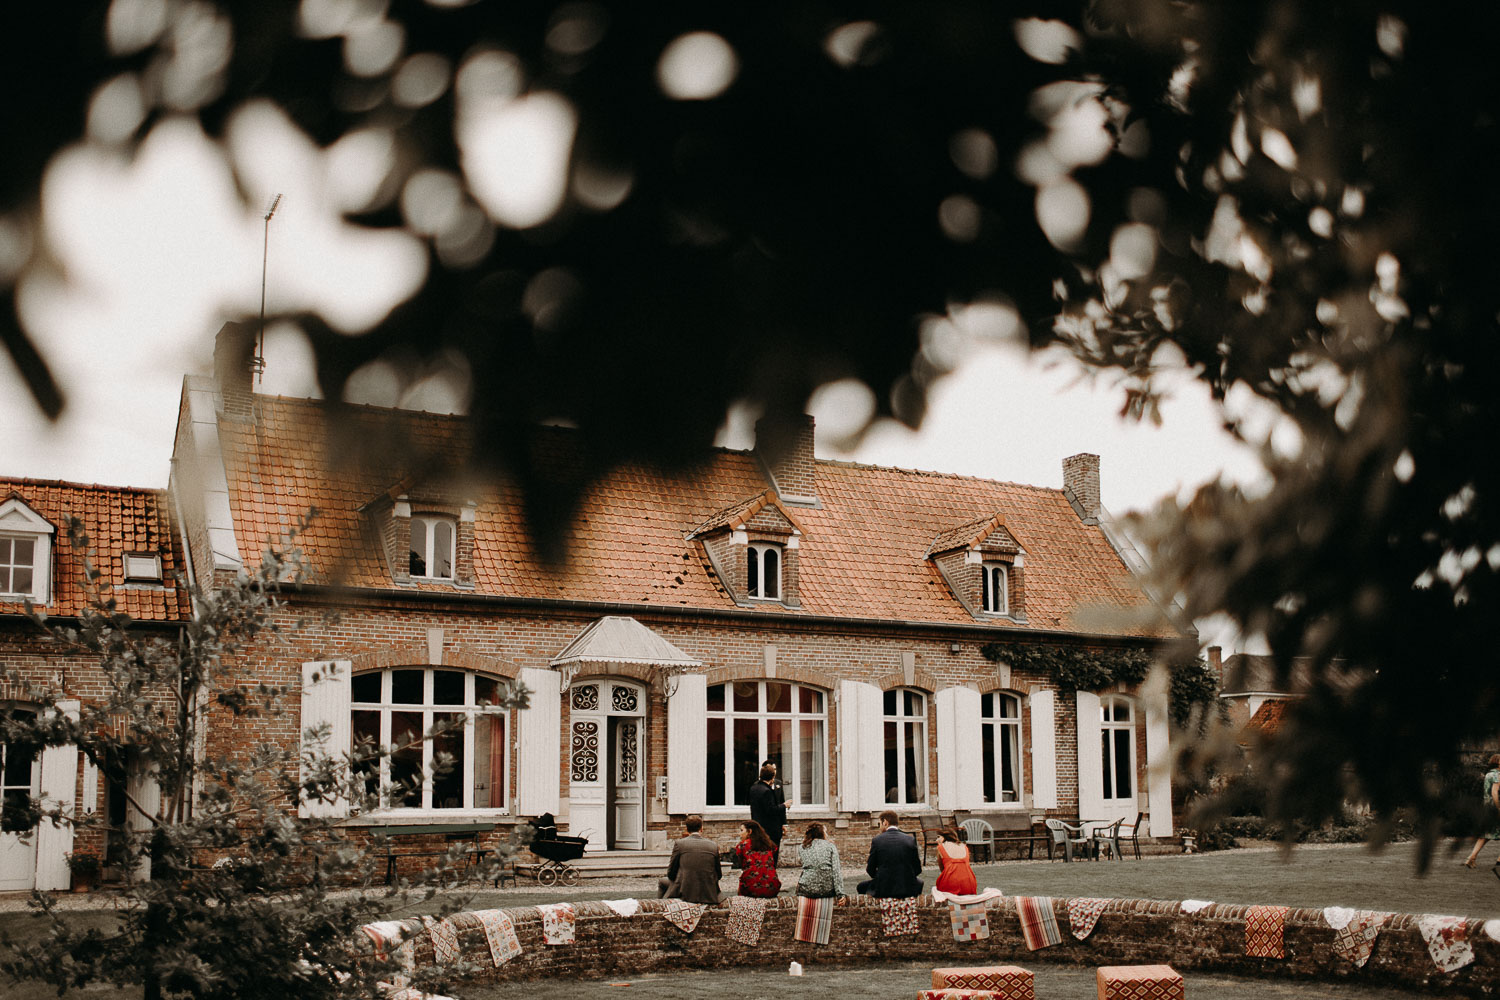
(540,754)
(687,745)
(1044,750)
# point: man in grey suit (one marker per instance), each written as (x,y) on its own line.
(895,867)
(693,873)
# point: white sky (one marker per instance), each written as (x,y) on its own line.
(156,250)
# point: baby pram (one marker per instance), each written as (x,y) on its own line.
(556,852)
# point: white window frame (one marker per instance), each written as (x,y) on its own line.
(791,777)
(19,521)
(429,523)
(995,588)
(135,572)
(1000,724)
(755,559)
(901,719)
(428,709)
(1109,725)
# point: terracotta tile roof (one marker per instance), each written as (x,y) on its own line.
(863,551)
(967,534)
(118,519)
(740,514)
(1267,718)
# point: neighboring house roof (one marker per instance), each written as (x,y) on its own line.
(1267,718)
(1252,673)
(862,555)
(118,520)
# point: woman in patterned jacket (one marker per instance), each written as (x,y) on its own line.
(822,875)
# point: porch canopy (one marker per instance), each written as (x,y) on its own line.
(620,639)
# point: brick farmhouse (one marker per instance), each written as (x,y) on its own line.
(826,616)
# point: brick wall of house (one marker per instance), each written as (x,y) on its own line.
(504,641)
(1129,932)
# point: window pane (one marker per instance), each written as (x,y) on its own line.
(779,746)
(1109,783)
(406,687)
(486,690)
(21,580)
(25,551)
(987,598)
(18,758)
(1010,758)
(747,758)
(987,758)
(716,698)
(442,549)
(916,761)
(1010,708)
(752,563)
(448,785)
(812,774)
(747,696)
(447,687)
(1122,711)
(914,704)
(364,727)
(809,700)
(772,574)
(890,703)
(778,697)
(489,762)
(365,687)
(716,749)
(1123,782)
(418,557)
(987,707)
(5,544)
(892,763)
(406,763)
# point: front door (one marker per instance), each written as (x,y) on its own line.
(606,779)
(20,777)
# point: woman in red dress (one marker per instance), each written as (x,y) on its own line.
(757,859)
(955,876)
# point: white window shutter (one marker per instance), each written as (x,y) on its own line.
(1090,759)
(958,744)
(687,745)
(1043,749)
(1158,764)
(325,702)
(540,756)
(59,784)
(142,806)
(861,754)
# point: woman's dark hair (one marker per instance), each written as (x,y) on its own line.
(758,839)
(814,832)
(1495,760)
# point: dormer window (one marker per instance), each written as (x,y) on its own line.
(17,565)
(764,572)
(142,567)
(432,547)
(996,588)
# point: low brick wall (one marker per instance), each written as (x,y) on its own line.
(1129,932)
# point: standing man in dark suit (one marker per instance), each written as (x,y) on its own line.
(693,873)
(768,806)
(895,867)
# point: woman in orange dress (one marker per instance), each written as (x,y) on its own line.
(955,875)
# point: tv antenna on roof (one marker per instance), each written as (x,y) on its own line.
(259,361)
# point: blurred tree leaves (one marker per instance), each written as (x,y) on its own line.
(1296,200)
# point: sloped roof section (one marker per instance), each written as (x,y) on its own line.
(971,533)
(631,538)
(1268,717)
(740,514)
(117,519)
(620,639)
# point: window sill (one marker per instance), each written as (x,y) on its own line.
(424,817)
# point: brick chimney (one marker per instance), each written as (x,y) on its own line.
(785,450)
(234,350)
(1081,482)
(1216,663)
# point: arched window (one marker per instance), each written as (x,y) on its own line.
(996,588)
(432,543)
(905,747)
(394,708)
(750,722)
(1000,749)
(764,572)
(18,783)
(1117,740)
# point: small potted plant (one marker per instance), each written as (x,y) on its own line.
(85,867)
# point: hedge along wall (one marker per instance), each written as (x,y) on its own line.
(1129,932)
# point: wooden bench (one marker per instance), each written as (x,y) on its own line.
(452,833)
(1016,828)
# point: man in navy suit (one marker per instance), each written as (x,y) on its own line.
(895,867)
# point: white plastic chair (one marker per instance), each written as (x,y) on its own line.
(978,832)
(1065,836)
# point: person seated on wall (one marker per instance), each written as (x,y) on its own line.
(757,858)
(693,873)
(957,875)
(895,867)
(822,874)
